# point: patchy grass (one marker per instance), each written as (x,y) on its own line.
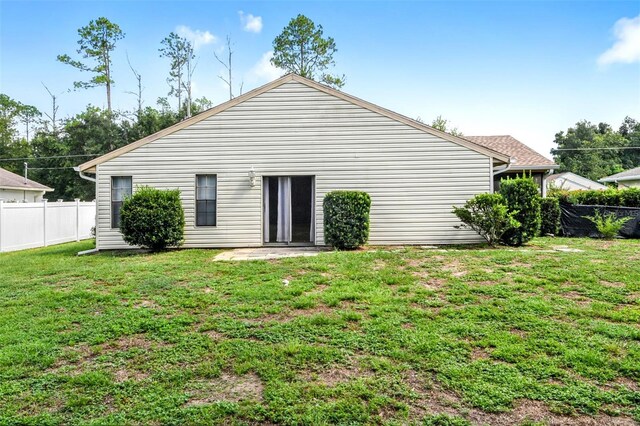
(384,336)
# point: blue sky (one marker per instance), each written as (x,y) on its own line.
(529,69)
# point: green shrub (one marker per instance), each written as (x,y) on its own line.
(550,214)
(608,225)
(629,197)
(488,215)
(523,200)
(346,219)
(152,218)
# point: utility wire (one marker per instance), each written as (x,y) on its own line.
(49,168)
(594,149)
(46,158)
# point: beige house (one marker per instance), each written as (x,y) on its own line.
(523,160)
(627,179)
(16,189)
(572,182)
(254,171)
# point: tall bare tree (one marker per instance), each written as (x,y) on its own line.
(54,110)
(29,116)
(189,68)
(97,42)
(138,93)
(229,79)
(179,51)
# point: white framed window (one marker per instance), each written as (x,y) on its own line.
(206,200)
(121,187)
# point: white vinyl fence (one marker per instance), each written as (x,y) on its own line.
(29,225)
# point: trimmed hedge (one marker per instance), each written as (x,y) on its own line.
(488,215)
(346,219)
(523,200)
(550,214)
(152,218)
(629,197)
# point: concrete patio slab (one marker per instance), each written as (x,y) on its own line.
(268,253)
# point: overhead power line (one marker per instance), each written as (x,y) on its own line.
(49,168)
(47,158)
(595,149)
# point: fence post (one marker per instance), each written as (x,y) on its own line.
(77,219)
(1,223)
(44,222)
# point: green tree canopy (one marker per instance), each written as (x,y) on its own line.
(302,49)
(97,42)
(591,150)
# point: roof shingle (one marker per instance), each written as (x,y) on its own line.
(14,181)
(521,155)
(630,174)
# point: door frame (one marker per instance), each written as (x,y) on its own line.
(264,221)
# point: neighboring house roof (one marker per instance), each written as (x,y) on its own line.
(89,166)
(522,157)
(631,174)
(575,180)
(10,180)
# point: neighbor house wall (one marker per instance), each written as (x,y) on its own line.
(413,178)
(20,195)
(629,184)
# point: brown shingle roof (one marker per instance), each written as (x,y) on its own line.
(10,180)
(521,155)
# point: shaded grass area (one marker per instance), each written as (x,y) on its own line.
(382,336)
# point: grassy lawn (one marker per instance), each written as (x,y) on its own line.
(383,336)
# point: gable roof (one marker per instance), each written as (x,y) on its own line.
(9,180)
(522,157)
(89,166)
(576,179)
(631,174)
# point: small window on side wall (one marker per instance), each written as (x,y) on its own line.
(206,189)
(120,189)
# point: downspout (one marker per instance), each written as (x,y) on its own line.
(497,172)
(505,169)
(544,182)
(90,179)
(83,176)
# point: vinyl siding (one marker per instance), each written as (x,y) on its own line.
(414,178)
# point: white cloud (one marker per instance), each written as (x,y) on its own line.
(198,38)
(264,70)
(250,23)
(626,49)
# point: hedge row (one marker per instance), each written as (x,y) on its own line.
(610,197)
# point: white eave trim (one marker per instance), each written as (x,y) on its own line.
(621,179)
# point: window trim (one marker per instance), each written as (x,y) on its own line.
(111,197)
(195,202)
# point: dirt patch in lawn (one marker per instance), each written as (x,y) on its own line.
(613,284)
(433,283)
(432,399)
(125,374)
(577,298)
(478,353)
(335,375)
(527,411)
(455,267)
(227,387)
(291,314)
(146,304)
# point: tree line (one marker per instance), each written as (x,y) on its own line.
(596,151)
(53,146)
